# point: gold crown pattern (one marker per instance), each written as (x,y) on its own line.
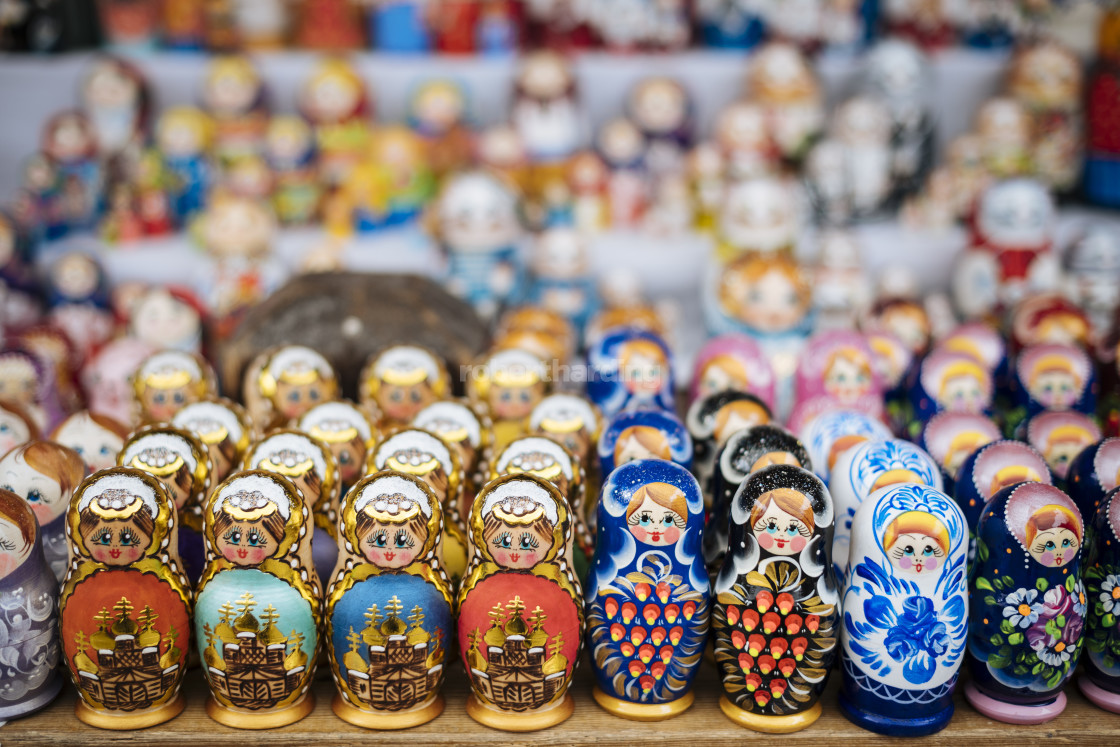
(116,503)
(518,510)
(396,508)
(249,504)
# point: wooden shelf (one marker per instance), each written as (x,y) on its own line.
(1082,723)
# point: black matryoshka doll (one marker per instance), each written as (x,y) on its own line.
(45,475)
(291,381)
(509,384)
(346,431)
(125,607)
(1060,437)
(258,604)
(992,468)
(648,596)
(468,431)
(183,466)
(309,464)
(711,420)
(777,609)
(29,644)
(168,381)
(1101,681)
(401,381)
(1095,472)
(223,426)
(389,609)
(520,606)
(643,434)
(746,452)
(95,437)
(951,437)
(1027,604)
(427,456)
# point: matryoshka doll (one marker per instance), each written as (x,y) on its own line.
(713,419)
(335,101)
(777,606)
(184,136)
(950,382)
(984,343)
(125,606)
(830,434)
(545,109)
(894,362)
(509,384)
(97,439)
(562,282)
(467,431)
(70,145)
(258,609)
(521,618)
(622,148)
(1100,682)
(183,466)
(400,381)
(425,455)
(234,96)
(1028,604)
(29,625)
(782,81)
(346,431)
(865,469)
(17,427)
(223,427)
(168,381)
(746,451)
(630,369)
(1093,473)
(290,152)
(106,378)
(309,464)
(725,24)
(116,98)
(437,110)
(1052,376)
(45,475)
(1060,437)
(643,434)
(756,217)
(78,296)
(951,437)
(1050,317)
(648,597)
(905,612)
(570,421)
(389,607)
(28,381)
(838,364)
(992,468)
(292,381)
(662,110)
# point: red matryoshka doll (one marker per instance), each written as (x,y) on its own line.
(777,605)
(168,381)
(509,384)
(129,25)
(45,474)
(330,25)
(17,427)
(838,364)
(389,607)
(520,607)
(292,380)
(782,81)
(1060,437)
(96,438)
(106,378)
(732,362)
(223,427)
(335,101)
(116,99)
(622,148)
(233,94)
(400,381)
(346,431)
(125,607)
(183,466)
(258,611)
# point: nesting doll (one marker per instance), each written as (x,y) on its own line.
(45,474)
(401,381)
(643,434)
(183,136)
(223,427)
(951,437)
(713,419)
(648,597)
(905,611)
(17,427)
(950,382)
(169,380)
(1100,682)
(1052,376)
(630,369)
(509,384)
(292,381)
(867,468)
(894,362)
(389,607)
(259,596)
(29,614)
(346,431)
(29,381)
(991,468)
(732,362)
(309,464)
(981,341)
(125,606)
(775,618)
(425,455)
(757,216)
(1027,607)
(335,100)
(1093,473)
(521,618)
(106,378)
(1060,437)
(234,96)
(830,434)
(570,421)
(95,438)
(468,432)
(183,466)
(838,364)
(744,453)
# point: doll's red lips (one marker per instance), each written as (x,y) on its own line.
(390,555)
(114,553)
(515,556)
(655,536)
(242,553)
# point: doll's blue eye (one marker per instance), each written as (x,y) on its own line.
(256,539)
(397,396)
(908,550)
(791,530)
(1066,543)
(129,538)
(416,396)
(927,552)
(179,398)
(507,396)
(104,538)
(160,399)
(294,396)
(313,395)
(34,496)
(4,428)
(667,521)
(344,458)
(233,537)
(503,541)
(525,396)
(104,450)
(79,450)
(378,540)
(1050,545)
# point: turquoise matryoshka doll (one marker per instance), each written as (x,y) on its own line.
(1027,604)
(389,608)
(905,611)
(257,614)
(777,607)
(1101,681)
(648,596)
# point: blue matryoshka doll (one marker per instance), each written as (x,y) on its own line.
(1095,472)
(1027,604)
(950,382)
(1101,681)
(726,24)
(1060,437)
(869,467)
(630,369)
(711,420)
(648,594)
(993,467)
(830,434)
(951,437)
(1052,376)
(643,434)
(906,611)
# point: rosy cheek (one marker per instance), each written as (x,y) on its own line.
(7,565)
(638,532)
(798,544)
(42,513)
(672,535)
(766,541)
(931,563)
(406,557)
(530,558)
(1047,558)
(258,555)
(905,563)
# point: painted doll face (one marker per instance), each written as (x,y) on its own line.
(401,403)
(392,545)
(718,376)
(643,373)
(13,431)
(514,403)
(18,381)
(1055,390)
(1060,454)
(847,379)
(246,543)
(737,416)
(915,553)
(641,442)
(518,547)
(14,549)
(909,325)
(97,446)
(117,543)
(162,404)
(962,393)
(161,319)
(779,532)
(350,457)
(293,400)
(333,98)
(1054,547)
(42,492)
(655,524)
(772,303)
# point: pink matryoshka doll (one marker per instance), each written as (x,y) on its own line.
(838,364)
(735,362)
(106,378)
(1060,437)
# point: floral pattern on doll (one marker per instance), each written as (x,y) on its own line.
(830,434)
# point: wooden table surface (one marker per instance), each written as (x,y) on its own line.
(1082,723)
